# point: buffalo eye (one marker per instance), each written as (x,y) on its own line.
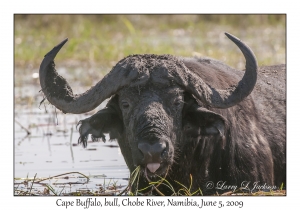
(125,104)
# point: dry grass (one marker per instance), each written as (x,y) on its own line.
(98,42)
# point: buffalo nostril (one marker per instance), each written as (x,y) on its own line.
(152,152)
(164,153)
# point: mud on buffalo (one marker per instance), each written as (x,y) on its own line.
(178,117)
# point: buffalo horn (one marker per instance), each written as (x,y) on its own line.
(59,93)
(222,98)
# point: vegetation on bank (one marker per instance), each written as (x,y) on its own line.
(112,188)
(97,42)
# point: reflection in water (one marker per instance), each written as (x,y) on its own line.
(71,146)
(49,146)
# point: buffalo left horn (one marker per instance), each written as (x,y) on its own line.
(59,93)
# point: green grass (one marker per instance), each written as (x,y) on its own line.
(185,190)
(97,42)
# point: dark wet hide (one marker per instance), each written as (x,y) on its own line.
(56,85)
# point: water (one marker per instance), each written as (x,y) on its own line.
(52,149)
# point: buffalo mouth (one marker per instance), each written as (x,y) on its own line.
(156,155)
(152,171)
(152,167)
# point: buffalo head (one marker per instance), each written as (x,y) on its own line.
(156,100)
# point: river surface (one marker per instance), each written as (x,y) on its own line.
(52,149)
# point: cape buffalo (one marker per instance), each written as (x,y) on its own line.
(186,117)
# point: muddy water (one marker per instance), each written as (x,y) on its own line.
(52,149)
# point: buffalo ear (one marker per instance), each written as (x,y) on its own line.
(107,120)
(199,121)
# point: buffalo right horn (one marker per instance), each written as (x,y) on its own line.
(221,98)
